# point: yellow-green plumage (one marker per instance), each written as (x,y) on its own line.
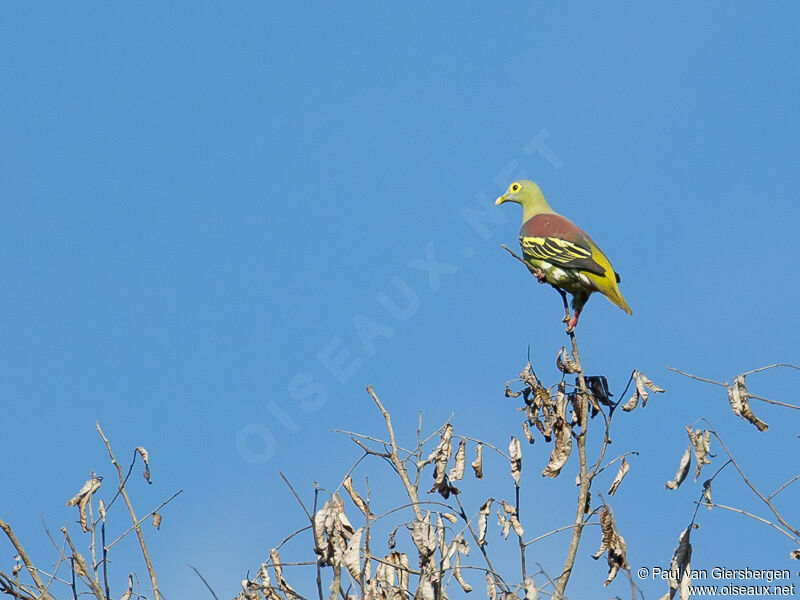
(568,258)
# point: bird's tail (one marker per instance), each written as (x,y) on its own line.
(616,297)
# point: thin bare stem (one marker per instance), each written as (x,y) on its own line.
(554,531)
(297,496)
(783,487)
(144,518)
(314,532)
(398,464)
(203,579)
(497,578)
(749,395)
(124,493)
(755,490)
(585,479)
(25,559)
(82,568)
(757,518)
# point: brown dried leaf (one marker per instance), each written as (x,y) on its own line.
(424,537)
(483,516)
(598,386)
(642,384)
(477,464)
(633,402)
(737,396)
(491,588)
(425,589)
(83,498)
(681,564)
(79,564)
(516,525)
(129,592)
(441,455)
(457,472)
(101,509)
(795,554)
(457,574)
(157,520)
(646,381)
(352,555)
(515,451)
(527,430)
(146,459)
(561,449)
(531,593)
(623,470)
(613,544)
(89,488)
(683,469)
(450,517)
(565,363)
(347,484)
(504,523)
(278,568)
(701,444)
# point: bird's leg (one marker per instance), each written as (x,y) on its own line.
(540,276)
(566,304)
(573,322)
(578,301)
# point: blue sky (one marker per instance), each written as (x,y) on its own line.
(200,200)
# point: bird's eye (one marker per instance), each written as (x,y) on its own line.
(515,187)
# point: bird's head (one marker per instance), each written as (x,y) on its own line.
(527,194)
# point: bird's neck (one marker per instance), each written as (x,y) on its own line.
(541,207)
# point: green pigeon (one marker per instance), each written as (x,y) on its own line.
(565,256)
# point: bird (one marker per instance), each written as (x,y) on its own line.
(561,253)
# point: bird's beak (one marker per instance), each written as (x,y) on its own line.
(500,200)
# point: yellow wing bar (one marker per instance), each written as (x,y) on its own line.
(560,252)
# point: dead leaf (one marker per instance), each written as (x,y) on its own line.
(457,574)
(491,588)
(457,472)
(527,430)
(83,498)
(146,459)
(483,516)
(623,470)
(441,456)
(642,384)
(598,386)
(701,444)
(683,469)
(424,537)
(681,565)
(737,396)
(347,484)
(531,593)
(515,450)
(565,363)
(613,544)
(157,520)
(352,555)
(477,464)
(561,449)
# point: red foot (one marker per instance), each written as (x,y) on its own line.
(541,277)
(573,323)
